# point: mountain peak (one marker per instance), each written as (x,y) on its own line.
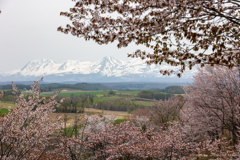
(76,70)
(111,60)
(43,60)
(108,58)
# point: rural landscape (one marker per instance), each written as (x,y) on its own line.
(177,98)
(92,100)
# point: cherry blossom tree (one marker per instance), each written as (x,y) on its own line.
(126,141)
(213,101)
(130,142)
(179,32)
(164,111)
(77,147)
(133,141)
(96,123)
(2,94)
(27,132)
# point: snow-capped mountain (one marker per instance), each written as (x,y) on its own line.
(107,69)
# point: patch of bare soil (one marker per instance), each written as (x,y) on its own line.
(117,114)
(71,116)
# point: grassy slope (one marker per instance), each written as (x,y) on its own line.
(3,111)
(59,89)
(96,99)
(144,103)
(128,92)
(6,105)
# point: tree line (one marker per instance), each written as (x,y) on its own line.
(56,86)
(117,105)
(75,103)
(170,90)
(9,96)
(153,95)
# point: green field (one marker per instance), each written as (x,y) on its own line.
(22,90)
(118,121)
(96,99)
(144,103)
(69,89)
(3,110)
(91,92)
(99,94)
(78,93)
(138,101)
(128,92)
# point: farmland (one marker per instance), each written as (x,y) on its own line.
(70,116)
(120,104)
(6,105)
(101,95)
(67,93)
(145,103)
(89,111)
(105,98)
(121,100)
(100,101)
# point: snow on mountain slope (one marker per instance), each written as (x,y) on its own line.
(80,70)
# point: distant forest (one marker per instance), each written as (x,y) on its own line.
(57,86)
(153,95)
(140,86)
(171,88)
(117,105)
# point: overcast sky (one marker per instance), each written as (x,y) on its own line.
(28,31)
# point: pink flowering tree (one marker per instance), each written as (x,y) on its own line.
(131,142)
(126,141)
(134,141)
(213,101)
(96,123)
(2,94)
(27,132)
(179,32)
(165,111)
(76,147)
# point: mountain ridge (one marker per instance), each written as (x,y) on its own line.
(107,69)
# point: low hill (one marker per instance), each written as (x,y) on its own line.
(58,86)
(170,90)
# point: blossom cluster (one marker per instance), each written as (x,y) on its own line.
(26,132)
(179,32)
